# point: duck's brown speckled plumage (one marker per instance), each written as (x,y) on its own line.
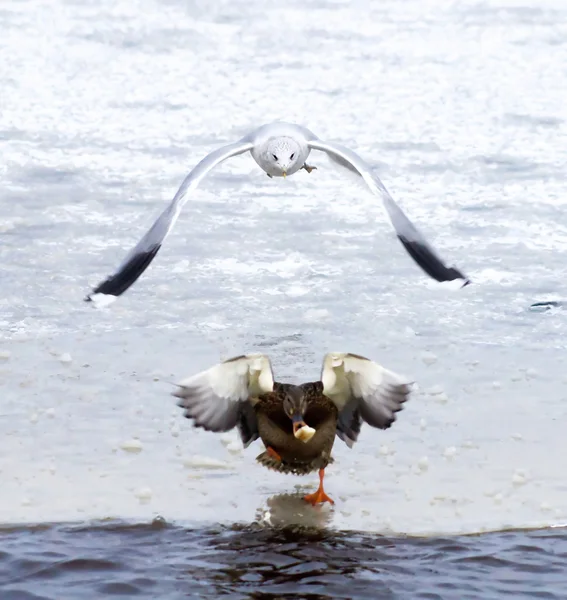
(276,431)
(297,423)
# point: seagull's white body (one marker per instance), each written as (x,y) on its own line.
(280,149)
(280,138)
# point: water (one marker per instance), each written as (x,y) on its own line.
(156,561)
(104,108)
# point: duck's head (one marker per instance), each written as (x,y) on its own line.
(295,406)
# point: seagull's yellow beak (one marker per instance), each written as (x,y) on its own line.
(284,173)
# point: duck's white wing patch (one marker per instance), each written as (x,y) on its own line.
(408,234)
(362,390)
(221,397)
(140,257)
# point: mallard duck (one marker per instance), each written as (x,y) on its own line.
(297,423)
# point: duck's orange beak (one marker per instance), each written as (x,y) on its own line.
(302,431)
(284,173)
(298,424)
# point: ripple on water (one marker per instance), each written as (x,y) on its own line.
(159,560)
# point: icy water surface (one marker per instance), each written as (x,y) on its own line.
(460,108)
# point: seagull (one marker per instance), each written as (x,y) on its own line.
(297,423)
(280,149)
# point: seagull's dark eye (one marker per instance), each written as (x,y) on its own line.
(292,155)
(275,157)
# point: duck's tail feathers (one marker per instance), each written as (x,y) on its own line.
(271,462)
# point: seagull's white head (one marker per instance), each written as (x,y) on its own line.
(281,156)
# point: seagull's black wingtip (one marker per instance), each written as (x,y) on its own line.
(431,263)
(118,283)
(99,299)
(106,288)
(456,274)
(452,274)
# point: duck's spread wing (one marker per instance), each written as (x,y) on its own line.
(221,397)
(362,390)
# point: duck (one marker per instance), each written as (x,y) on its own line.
(298,424)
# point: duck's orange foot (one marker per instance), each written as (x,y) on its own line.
(273,453)
(318,498)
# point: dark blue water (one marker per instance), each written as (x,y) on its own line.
(160,561)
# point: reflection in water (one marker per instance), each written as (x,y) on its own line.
(284,510)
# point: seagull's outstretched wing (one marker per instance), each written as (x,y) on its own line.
(140,257)
(222,397)
(362,390)
(412,240)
